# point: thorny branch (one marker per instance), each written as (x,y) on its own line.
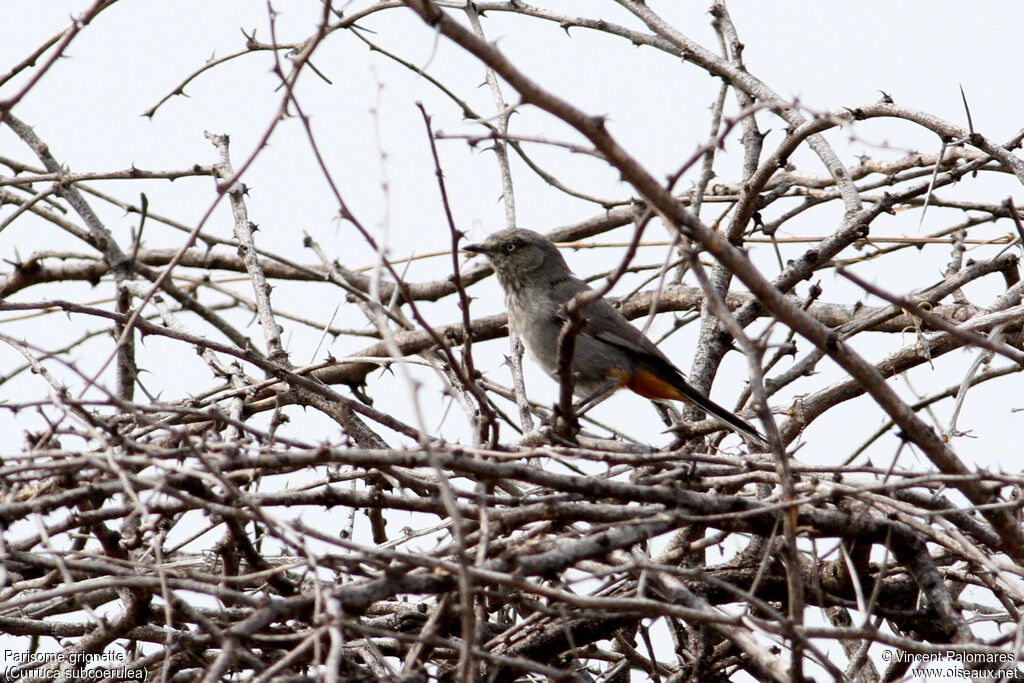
(194,515)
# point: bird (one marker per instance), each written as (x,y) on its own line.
(610,353)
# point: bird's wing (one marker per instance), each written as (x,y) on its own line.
(608,325)
(605,323)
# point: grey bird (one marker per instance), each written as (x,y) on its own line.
(610,353)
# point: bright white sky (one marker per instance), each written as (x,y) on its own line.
(829,55)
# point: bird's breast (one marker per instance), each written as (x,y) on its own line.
(536,321)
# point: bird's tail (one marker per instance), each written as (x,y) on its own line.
(659,379)
(723,415)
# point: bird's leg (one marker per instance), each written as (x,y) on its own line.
(593,399)
(566,429)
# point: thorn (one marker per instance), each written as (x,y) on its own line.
(963,96)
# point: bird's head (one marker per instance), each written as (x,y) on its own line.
(519,255)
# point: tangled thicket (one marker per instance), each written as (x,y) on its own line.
(214,533)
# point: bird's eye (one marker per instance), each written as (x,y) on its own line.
(510,247)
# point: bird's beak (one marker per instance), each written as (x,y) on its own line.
(474,248)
